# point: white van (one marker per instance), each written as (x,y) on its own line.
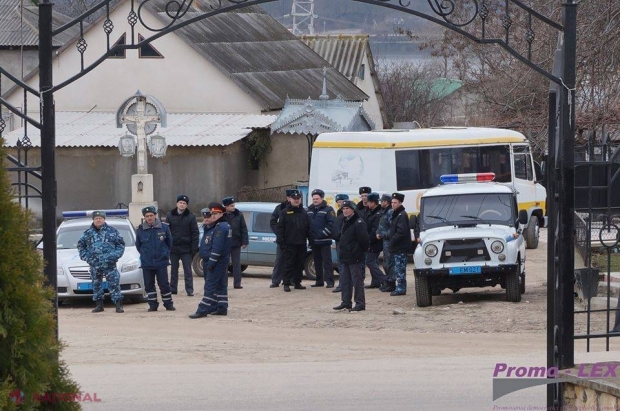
(411,161)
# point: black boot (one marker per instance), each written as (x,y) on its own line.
(99,306)
(119,306)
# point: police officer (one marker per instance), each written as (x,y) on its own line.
(362,206)
(400,243)
(383,233)
(184,229)
(292,231)
(154,241)
(278,268)
(240,239)
(215,252)
(101,246)
(322,217)
(351,251)
(376,244)
(340,198)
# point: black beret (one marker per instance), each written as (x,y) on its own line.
(183,197)
(386,197)
(365,190)
(228,201)
(149,209)
(374,197)
(342,197)
(349,204)
(295,193)
(318,192)
(400,197)
(98,213)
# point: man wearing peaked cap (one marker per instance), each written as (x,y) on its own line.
(184,229)
(278,268)
(292,233)
(154,241)
(239,240)
(321,218)
(400,243)
(340,198)
(215,252)
(375,247)
(101,246)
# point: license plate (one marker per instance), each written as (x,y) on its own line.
(89,286)
(465,270)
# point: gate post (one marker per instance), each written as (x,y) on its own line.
(48,147)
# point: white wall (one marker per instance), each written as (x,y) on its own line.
(372,104)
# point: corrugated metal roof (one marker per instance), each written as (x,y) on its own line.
(344,52)
(96,129)
(259,54)
(15,31)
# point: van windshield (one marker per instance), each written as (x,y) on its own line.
(466,209)
(420,169)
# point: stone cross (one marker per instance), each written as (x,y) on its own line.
(140,118)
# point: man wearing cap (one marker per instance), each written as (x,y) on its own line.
(362,206)
(383,233)
(278,268)
(101,246)
(400,243)
(292,231)
(215,252)
(184,229)
(340,198)
(240,238)
(322,218)
(376,244)
(351,251)
(154,241)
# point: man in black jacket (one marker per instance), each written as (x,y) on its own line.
(362,206)
(340,198)
(278,267)
(351,252)
(240,238)
(292,232)
(373,216)
(322,218)
(400,243)
(184,229)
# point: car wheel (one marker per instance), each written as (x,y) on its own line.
(423,294)
(532,233)
(309,268)
(513,289)
(197,266)
(243,268)
(522,283)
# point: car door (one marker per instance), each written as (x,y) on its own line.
(262,247)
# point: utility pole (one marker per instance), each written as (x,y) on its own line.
(303,17)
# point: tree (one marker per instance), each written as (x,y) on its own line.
(29,365)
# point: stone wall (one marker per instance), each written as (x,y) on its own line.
(590,393)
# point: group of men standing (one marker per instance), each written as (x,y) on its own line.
(361,232)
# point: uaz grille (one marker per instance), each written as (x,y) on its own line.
(459,251)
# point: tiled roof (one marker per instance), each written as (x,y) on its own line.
(96,129)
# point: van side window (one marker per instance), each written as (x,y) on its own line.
(523,167)
(408,170)
(261,223)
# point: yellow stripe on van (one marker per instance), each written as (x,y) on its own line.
(409,144)
(532,204)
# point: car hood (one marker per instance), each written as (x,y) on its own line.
(447,233)
(71,257)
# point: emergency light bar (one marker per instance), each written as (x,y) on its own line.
(467,178)
(115,212)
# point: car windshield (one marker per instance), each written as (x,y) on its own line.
(467,209)
(68,236)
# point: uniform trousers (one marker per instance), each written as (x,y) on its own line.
(161,274)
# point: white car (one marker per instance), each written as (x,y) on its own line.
(470,236)
(74,274)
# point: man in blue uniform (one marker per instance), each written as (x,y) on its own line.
(215,252)
(101,246)
(240,239)
(322,217)
(400,243)
(154,241)
(383,233)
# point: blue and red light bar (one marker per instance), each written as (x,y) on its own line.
(467,178)
(115,212)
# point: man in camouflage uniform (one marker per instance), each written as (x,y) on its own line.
(383,233)
(101,246)
(400,243)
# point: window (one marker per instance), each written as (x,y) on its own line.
(362,72)
(261,223)
(119,54)
(147,51)
(523,167)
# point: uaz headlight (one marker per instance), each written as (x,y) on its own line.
(431,250)
(497,247)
